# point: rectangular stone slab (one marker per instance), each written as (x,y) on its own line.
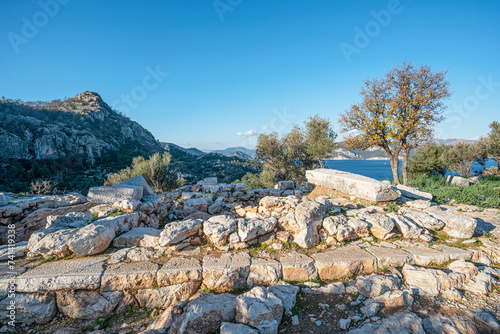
(423,256)
(134,275)
(454,252)
(343,262)
(389,257)
(82,274)
(110,195)
(353,184)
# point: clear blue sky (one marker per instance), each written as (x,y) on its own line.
(239,67)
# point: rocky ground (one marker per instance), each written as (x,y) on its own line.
(221,258)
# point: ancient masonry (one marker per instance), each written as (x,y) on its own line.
(183,251)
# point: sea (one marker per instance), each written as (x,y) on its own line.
(381,169)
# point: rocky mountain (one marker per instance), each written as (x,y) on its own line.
(83,125)
(192,151)
(231,150)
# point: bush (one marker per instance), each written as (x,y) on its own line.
(43,187)
(459,158)
(427,160)
(155,170)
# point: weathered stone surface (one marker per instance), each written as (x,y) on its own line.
(175,232)
(52,244)
(218,228)
(69,220)
(230,328)
(261,309)
(394,299)
(287,293)
(3,201)
(264,272)
(179,270)
(304,223)
(424,256)
(453,252)
(141,254)
(140,237)
(110,195)
(101,210)
(457,226)
(353,184)
(123,276)
(344,261)
(194,205)
(419,204)
(137,181)
(414,193)
(91,239)
(83,304)
(423,279)
(380,225)
(226,273)
(122,223)
(458,181)
(165,296)
(126,205)
(205,313)
(118,256)
(298,267)
(84,273)
(407,323)
(480,284)
(16,250)
(375,285)
(168,317)
(388,257)
(422,218)
(408,228)
(29,308)
(249,229)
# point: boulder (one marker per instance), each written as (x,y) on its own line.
(408,228)
(29,308)
(218,228)
(414,193)
(118,256)
(52,244)
(455,225)
(353,184)
(380,225)
(407,322)
(168,317)
(127,205)
(287,293)
(249,229)
(137,181)
(230,328)
(304,223)
(194,205)
(205,313)
(226,273)
(422,218)
(165,296)
(84,304)
(110,195)
(91,239)
(419,204)
(458,181)
(121,223)
(69,220)
(140,254)
(138,237)
(375,285)
(176,232)
(285,185)
(264,272)
(298,267)
(261,309)
(3,201)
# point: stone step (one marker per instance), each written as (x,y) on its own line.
(343,262)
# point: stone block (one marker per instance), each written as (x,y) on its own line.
(110,195)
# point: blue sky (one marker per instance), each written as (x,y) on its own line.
(214,74)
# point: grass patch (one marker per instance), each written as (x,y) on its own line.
(116,213)
(485,193)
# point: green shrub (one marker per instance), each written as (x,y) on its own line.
(426,160)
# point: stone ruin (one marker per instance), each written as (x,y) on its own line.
(184,251)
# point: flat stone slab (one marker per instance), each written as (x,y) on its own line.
(454,253)
(343,262)
(135,275)
(179,270)
(413,193)
(110,195)
(139,236)
(353,184)
(226,273)
(137,181)
(424,256)
(298,267)
(387,257)
(81,274)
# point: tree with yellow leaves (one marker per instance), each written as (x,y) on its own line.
(397,113)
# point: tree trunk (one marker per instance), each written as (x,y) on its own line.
(395,167)
(404,167)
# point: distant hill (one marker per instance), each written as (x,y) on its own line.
(231,150)
(193,151)
(74,143)
(240,155)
